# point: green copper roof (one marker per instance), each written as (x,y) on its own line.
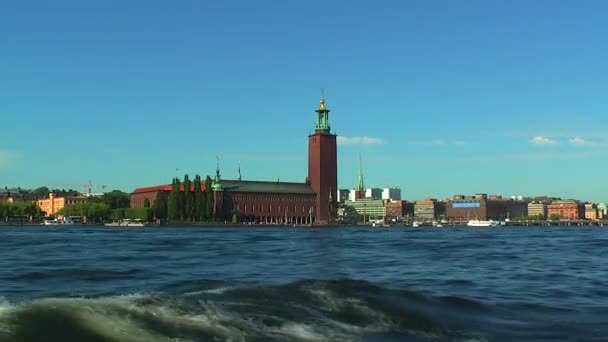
(322,124)
(216,185)
(267,187)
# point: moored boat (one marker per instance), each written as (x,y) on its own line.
(56,222)
(481,223)
(126,223)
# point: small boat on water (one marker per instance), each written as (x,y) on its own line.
(126,223)
(482,223)
(56,222)
(415,224)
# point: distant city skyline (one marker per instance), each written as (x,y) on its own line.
(438,99)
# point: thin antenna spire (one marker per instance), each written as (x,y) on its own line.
(360,185)
(238,175)
(217,170)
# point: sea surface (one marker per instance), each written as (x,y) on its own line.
(303,284)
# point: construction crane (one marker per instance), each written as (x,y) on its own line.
(89,186)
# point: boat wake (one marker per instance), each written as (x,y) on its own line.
(340,310)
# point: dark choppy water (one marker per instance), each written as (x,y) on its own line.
(98,284)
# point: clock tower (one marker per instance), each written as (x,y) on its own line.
(323,167)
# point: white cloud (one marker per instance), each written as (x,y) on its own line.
(580,142)
(538,140)
(459,142)
(435,142)
(359,141)
(5,158)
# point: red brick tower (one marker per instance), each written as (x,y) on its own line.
(323,167)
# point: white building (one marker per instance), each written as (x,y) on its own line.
(393,194)
(373,193)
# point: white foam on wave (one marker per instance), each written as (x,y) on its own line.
(4,304)
(337,304)
(300,331)
(218,291)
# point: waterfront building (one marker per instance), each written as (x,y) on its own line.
(54,203)
(314,201)
(429,209)
(343,195)
(369,208)
(373,193)
(16,194)
(590,211)
(6,200)
(352,195)
(398,210)
(566,209)
(391,194)
(537,210)
(601,211)
(481,208)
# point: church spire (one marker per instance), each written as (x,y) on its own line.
(216,185)
(322,124)
(360,191)
(238,175)
(360,185)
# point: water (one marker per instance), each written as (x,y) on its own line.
(288,284)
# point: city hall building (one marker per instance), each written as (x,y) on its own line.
(314,201)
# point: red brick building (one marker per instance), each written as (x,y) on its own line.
(398,210)
(481,208)
(312,202)
(567,210)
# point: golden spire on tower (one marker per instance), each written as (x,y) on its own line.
(322,102)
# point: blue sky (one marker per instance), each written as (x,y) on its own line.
(439,97)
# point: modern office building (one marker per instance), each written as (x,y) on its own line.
(369,208)
(601,211)
(373,193)
(537,210)
(591,211)
(391,194)
(429,209)
(343,195)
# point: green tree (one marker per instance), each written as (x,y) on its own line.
(28,209)
(146,203)
(117,214)
(188,199)
(159,207)
(173,202)
(199,200)
(555,217)
(235,219)
(116,199)
(42,192)
(144,214)
(208,199)
(93,212)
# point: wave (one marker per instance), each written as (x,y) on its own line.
(312,310)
